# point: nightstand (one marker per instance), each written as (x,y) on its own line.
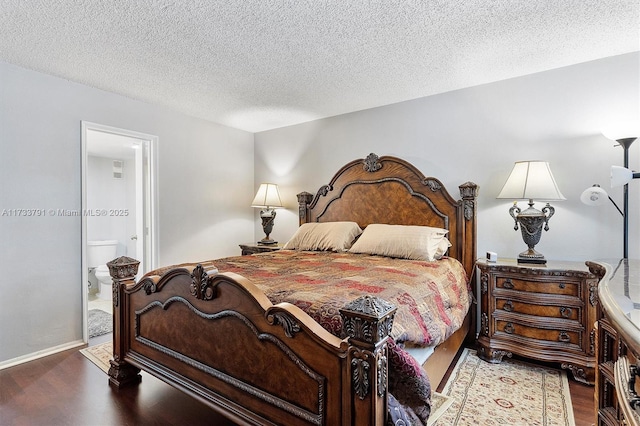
(253,248)
(544,312)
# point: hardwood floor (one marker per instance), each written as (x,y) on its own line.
(67,389)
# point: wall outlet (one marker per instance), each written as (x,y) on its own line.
(492,256)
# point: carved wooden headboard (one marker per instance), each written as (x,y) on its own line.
(392,191)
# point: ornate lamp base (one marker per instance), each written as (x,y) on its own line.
(268,216)
(531,223)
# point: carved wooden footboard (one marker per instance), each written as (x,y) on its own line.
(279,366)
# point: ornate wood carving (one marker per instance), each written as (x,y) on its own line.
(469,193)
(433,184)
(201,286)
(360,377)
(123,267)
(382,374)
(484,324)
(324,190)
(578,372)
(593,293)
(368,319)
(289,324)
(484,283)
(304,198)
(371,163)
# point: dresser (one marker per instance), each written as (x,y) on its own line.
(543,312)
(618,345)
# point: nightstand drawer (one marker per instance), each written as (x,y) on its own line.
(561,336)
(568,311)
(546,287)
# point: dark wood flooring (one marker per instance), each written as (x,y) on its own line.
(67,389)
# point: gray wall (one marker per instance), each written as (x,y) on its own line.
(477,134)
(205,182)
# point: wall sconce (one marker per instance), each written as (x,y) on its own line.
(531,180)
(596,196)
(266,199)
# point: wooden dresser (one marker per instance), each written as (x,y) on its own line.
(618,343)
(544,312)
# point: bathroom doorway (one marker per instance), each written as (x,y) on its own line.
(118,212)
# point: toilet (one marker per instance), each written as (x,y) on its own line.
(99,252)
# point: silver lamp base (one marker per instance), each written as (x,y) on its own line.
(531,223)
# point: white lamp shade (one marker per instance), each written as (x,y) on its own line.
(531,180)
(267,196)
(594,196)
(622,131)
(620,176)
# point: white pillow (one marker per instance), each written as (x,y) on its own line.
(329,236)
(403,241)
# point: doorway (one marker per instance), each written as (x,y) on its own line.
(118,211)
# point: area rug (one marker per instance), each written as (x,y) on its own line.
(100,355)
(100,322)
(439,405)
(509,393)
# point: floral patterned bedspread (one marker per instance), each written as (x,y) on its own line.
(432,300)
(432,297)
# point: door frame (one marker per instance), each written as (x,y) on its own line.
(150,212)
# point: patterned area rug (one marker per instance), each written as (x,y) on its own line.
(510,393)
(439,405)
(100,355)
(100,322)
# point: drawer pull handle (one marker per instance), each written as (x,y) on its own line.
(565,312)
(564,337)
(508,306)
(509,328)
(562,285)
(508,284)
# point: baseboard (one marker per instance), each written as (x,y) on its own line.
(39,354)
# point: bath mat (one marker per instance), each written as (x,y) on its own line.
(100,322)
(100,355)
(509,393)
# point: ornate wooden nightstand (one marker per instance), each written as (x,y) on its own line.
(545,312)
(253,248)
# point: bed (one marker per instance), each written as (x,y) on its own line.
(210,331)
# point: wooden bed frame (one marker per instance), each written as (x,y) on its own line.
(218,338)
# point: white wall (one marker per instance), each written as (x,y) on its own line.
(476,134)
(205,185)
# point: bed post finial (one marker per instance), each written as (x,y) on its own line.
(367,322)
(123,271)
(304,199)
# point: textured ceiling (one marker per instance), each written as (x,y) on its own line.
(258,65)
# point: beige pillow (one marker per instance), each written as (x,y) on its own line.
(328,236)
(403,241)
